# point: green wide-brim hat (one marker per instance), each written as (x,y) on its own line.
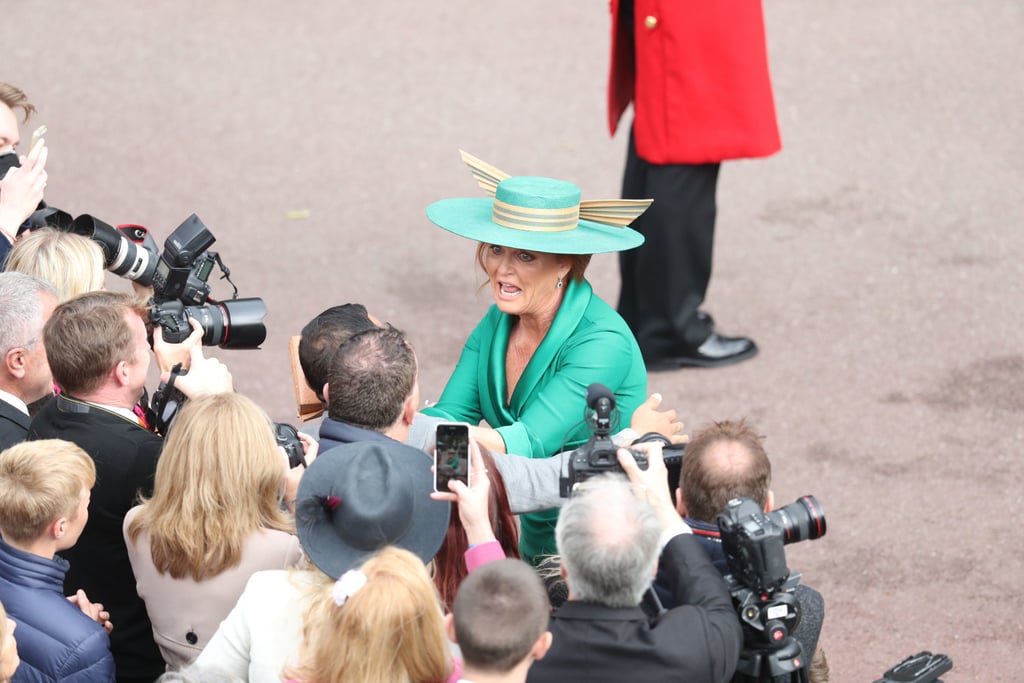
(538,214)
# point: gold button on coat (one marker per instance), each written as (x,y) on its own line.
(651,21)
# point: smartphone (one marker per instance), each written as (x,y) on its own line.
(451,454)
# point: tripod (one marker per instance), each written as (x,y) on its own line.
(770,652)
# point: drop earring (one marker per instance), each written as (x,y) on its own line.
(559,285)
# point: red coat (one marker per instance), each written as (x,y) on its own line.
(698,79)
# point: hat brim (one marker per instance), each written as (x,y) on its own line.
(471,218)
(316,534)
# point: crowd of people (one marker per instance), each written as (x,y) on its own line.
(191,547)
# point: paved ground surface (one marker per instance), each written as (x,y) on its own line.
(876,260)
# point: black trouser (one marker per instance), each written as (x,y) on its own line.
(664,281)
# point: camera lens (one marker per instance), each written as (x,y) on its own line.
(801,520)
(232,324)
(121,256)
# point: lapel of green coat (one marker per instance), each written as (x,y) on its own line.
(574,304)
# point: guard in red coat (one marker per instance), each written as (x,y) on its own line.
(697,75)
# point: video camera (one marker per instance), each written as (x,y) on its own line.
(762,587)
(598,454)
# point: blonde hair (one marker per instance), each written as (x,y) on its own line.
(389,631)
(219,479)
(41,481)
(73,264)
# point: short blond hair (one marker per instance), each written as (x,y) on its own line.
(41,481)
(73,264)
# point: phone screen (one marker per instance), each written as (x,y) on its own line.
(451,455)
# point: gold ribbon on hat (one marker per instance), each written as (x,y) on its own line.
(617,213)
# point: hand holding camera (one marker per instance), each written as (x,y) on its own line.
(651,483)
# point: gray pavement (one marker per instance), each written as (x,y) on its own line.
(877,260)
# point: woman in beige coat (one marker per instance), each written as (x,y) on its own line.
(214,519)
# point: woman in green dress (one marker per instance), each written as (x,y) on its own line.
(525,369)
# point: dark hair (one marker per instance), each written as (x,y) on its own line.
(371,376)
(324,335)
(577,262)
(500,612)
(709,483)
(449,562)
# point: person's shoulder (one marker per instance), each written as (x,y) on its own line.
(54,630)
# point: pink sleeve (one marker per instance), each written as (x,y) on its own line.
(482,554)
(456,674)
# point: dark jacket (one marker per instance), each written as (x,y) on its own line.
(125,455)
(698,642)
(335,433)
(13,423)
(56,641)
(812,604)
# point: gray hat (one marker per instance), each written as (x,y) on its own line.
(357,498)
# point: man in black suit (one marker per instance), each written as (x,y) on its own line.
(609,534)
(99,354)
(25,305)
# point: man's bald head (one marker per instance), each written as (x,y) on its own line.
(724,460)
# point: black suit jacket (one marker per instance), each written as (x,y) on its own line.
(125,455)
(13,425)
(697,642)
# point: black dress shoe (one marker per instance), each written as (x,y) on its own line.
(715,352)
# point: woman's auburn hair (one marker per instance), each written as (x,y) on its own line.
(390,630)
(577,262)
(220,478)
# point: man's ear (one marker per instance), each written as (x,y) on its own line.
(409,409)
(57,528)
(769,501)
(14,361)
(121,373)
(325,392)
(541,647)
(680,502)
(449,627)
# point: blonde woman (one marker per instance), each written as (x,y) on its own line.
(214,519)
(73,264)
(377,624)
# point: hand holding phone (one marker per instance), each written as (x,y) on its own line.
(474,500)
(451,454)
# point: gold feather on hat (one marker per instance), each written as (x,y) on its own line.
(614,212)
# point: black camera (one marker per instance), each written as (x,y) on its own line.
(288,439)
(761,585)
(753,540)
(181,291)
(598,454)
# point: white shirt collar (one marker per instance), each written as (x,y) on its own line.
(14,401)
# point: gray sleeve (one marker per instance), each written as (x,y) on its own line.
(421,433)
(532,483)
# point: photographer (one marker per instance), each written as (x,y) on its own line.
(727,460)
(99,355)
(609,535)
(22,178)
